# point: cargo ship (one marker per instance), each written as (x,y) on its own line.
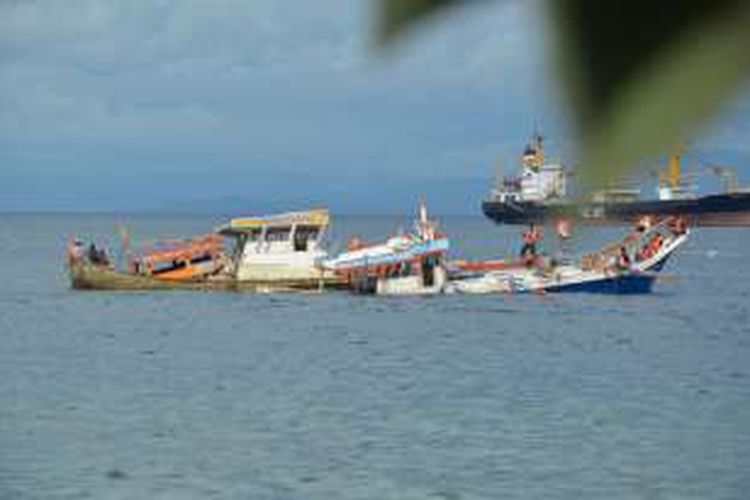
(541,194)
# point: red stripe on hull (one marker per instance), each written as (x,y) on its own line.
(723,219)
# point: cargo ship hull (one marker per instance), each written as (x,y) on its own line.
(729,209)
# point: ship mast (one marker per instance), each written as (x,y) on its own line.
(499,176)
(674,170)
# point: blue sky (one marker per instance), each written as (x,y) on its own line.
(271,104)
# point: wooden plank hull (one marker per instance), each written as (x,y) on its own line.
(85,276)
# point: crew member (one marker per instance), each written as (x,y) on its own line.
(678,225)
(530,238)
(563,229)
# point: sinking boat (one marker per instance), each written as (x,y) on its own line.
(407,264)
(195,263)
(280,250)
(629,266)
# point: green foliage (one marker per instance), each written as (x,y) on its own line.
(640,75)
(395,16)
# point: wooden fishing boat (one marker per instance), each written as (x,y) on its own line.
(628,266)
(408,264)
(171,264)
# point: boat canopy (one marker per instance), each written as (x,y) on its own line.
(316,217)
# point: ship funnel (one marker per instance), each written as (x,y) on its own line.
(674,170)
(533,155)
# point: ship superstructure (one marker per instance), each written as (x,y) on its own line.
(539,181)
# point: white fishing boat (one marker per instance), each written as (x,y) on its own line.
(407,264)
(280,250)
(628,266)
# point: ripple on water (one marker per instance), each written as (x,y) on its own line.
(308,396)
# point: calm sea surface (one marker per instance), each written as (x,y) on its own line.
(186,395)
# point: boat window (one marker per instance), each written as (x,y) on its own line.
(302,236)
(254,235)
(167,266)
(201,258)
(278,233)
(405,268)
(300,242)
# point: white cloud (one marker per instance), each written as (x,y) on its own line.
(289,83)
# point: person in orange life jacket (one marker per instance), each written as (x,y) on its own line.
(651,247)
(678,225)
(530,238)
(655,243)
(658,242)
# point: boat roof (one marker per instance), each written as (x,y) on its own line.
(183,249)
(391,252)
(319,217)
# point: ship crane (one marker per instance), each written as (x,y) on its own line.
(727,175)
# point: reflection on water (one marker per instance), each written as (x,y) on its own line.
(223,395)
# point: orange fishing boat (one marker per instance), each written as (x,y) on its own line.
(192,263)
(182,260)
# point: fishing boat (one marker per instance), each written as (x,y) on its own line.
(628,266)
(542,193)
(406,264)
(280,250)
(195,263)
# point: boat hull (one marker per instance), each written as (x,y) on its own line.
(85,276)
(730,209)
(621,285)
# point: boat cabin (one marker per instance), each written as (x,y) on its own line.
(180,260)
(279,247)
(421,274)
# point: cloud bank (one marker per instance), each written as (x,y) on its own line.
(123,105)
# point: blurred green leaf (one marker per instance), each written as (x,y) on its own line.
(639,74)
(396,16)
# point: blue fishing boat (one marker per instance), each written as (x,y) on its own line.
(628,266)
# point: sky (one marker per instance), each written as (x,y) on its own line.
(266,105)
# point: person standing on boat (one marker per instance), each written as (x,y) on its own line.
(93,254)
(623,260)
(530,238)
(564,236)
(76,251)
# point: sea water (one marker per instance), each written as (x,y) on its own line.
(182,395)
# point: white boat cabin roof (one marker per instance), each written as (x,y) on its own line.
(318,217)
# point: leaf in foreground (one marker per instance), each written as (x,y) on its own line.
(640,75)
